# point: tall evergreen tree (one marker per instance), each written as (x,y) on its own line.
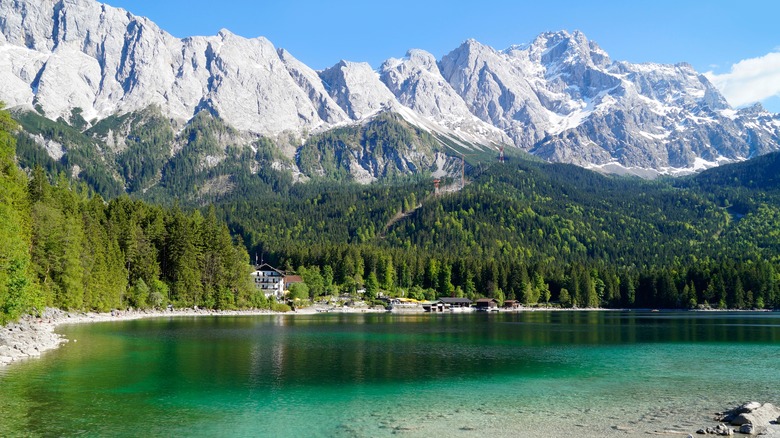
(17,293)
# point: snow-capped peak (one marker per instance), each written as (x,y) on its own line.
(559,96)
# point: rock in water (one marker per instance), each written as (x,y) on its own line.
(730,415)
(754,414)
(750,429)
(721,429)
(753,418)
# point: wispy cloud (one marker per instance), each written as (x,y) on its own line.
(750,80)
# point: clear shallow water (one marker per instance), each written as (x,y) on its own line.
(523,374)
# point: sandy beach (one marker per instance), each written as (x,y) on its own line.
(32,336)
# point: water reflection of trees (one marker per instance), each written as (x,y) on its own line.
(256,361)
(281,352)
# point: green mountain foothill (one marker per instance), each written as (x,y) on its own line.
(138,212)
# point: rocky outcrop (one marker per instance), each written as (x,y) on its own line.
(417,83)
(82,54)
(563,99)
(753,418)
(357,89)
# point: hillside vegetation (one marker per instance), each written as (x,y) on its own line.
(540,233)
(62,245)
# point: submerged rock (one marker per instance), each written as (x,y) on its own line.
(750,429)
(721,430)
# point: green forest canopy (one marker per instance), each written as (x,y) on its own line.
(526,230)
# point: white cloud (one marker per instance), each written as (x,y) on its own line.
(750,80)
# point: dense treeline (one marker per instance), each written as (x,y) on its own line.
(61,245)
(713,283)
(17,293)
(535,232)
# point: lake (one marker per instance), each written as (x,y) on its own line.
(546,374)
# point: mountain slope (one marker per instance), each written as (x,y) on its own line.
(562,98)
(82,54)
(559,97)
(526,228)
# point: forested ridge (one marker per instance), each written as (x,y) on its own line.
(540,233)
(64,246)
(537,232)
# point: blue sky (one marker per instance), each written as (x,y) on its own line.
(714,36)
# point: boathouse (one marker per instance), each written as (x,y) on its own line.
(435,306)
(512,304)
(487,304)
(455,303)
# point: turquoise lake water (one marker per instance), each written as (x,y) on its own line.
(532,374)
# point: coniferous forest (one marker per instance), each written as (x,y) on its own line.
(544,234)
(539,233)
(64,246)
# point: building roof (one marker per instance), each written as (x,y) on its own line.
(267,267)
(453,300)
(293,279)
(487,300)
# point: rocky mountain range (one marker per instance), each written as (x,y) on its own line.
(559,97)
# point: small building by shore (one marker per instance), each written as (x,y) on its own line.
(289,280)
(448,304)
(512,305)
(456,303)
(487,304)
(405,305)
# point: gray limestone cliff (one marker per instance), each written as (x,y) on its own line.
(560,97)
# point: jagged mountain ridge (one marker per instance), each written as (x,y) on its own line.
(560,97)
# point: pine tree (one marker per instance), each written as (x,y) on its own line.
(564,298)
(541,288)
(183,254)
(372,286)
(388,273)
(18,293)
(105,278)
(446,288)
